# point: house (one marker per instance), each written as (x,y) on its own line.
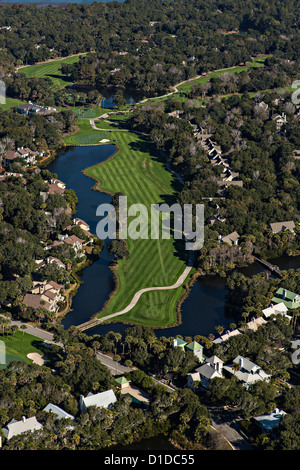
(81,223)
(58,183)
(26,154)
(277,227)
(55,189)
(226,336)
(30,109)
(56,261)
(268,422)
(179,343)
(280,120)
(248,373)
(75,242)
(45,295)
(14,427)
(255,323)
(122,382)
(231,239)
(59,412)
(101,400)
(196,348)
(290,299)
(277,309)
(204,374)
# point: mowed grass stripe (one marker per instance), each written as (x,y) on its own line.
(139,174)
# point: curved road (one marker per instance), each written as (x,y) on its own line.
(94,322)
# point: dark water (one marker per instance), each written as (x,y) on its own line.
(97,278)
(202,310)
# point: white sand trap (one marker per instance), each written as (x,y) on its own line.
(104,140)
(36,358)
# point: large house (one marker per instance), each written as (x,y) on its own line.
(58,412)
(101,400)
(231,238)
(290,299)
(30,109)
(247,372)
(277,309)
(277,227)
(211,369)
(27,155)
(14,427)
(45,295)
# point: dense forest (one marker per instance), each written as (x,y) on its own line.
(148,46)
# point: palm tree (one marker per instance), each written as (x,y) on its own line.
(23,328)
(14,329)
(236,367)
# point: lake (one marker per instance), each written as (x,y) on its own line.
(201,311)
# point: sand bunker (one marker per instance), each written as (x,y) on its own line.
(36,358)
(104,140)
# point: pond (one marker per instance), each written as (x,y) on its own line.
(201,311)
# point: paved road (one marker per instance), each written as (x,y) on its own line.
(225,423)
(114,367)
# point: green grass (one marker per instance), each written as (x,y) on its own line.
(51,70)
(86,135)
(140,174)
(18,348)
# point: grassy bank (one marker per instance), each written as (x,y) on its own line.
(139,173)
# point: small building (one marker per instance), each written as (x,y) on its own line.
(122,382)
(101,400)
(15,428)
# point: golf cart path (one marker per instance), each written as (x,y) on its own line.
(94,322)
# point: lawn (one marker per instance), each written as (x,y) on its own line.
(18,348)
(52,70)
(86,135)
(139,172)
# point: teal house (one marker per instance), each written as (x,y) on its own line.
(195,347)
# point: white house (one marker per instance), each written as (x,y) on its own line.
(14,427)
(101,400)
(248,373)
(211,369)
(59,412)
(277,309)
